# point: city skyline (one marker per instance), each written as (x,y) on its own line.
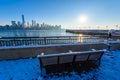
(33,25)
(62,12)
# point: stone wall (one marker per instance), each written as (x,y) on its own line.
(33,51)
(115,46)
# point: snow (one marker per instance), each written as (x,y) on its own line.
(22,69)
(29,69)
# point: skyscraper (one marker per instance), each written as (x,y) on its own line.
(23,21)
(33,23)
(13,23)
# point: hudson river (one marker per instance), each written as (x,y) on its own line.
(34,33)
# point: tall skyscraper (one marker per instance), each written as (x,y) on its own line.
(23,21)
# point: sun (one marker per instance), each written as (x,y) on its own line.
(82,19)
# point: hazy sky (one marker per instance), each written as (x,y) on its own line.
(64,12)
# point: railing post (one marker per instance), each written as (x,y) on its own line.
(45,40)
(0,43)
(80,39)
(30,42)
(13,41)
(70,40)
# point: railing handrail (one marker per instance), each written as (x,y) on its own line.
(15,41)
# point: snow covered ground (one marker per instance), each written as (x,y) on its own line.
(28,69)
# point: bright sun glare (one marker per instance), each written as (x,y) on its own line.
(82,19)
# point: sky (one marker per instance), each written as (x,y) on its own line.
(62,12)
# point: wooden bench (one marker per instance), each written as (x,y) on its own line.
(69,57)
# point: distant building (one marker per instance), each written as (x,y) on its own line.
(33,23)
(13,23)
(37,25)
(18,24)
(28,25)
(117,27)
(23,21)
(43,24)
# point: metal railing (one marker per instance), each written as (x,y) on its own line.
(23,41)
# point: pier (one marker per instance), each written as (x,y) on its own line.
(89,32)
(94,32)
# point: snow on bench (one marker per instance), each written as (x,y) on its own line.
(69,57)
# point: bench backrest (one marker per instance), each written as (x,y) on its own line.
(61,58)
(66,59)
(95,55)
(49,60)
(81,57)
